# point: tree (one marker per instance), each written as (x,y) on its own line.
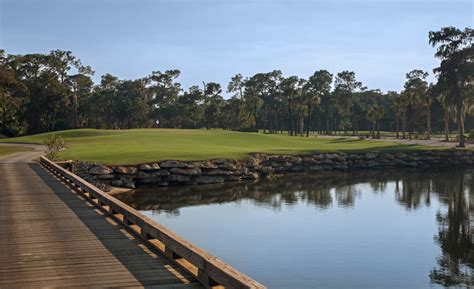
(213,103)
(12,99)
(415,95)
(253,101)
(456,51)
(237,86)
(375,111)
(345,90)
(291,88)
(318,85)
(165,91)
(398,109)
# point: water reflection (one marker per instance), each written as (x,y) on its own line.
(455,235)
(414,189)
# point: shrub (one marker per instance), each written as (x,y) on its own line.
(469,137)
(54,144)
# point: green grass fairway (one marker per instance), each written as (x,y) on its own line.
(8,150)
(148,145)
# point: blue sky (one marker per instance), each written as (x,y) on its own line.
(215,39)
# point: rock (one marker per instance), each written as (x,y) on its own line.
(178,178)
(100,170)
(315,168)
(310,161)
(341,167)
(220,161)
(251,176)
(149,167)
(228,166)
(190,172)
(209,179)
(217,172)
(370,156)
(232,178)
(173,164)
(125,170)
(125,178)
(161,173)
(129,185)
(298,168)
(105,177)
(266,170)
(116,183)
(205,165)
(400,155)
(143,175)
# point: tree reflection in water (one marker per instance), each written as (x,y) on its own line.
(455,265)
(454,188)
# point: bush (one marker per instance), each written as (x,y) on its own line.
(469,137)
(54,144)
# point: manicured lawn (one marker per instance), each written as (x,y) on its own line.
(147,145)
(7,150)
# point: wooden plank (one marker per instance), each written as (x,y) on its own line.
(52,237)
(208,269)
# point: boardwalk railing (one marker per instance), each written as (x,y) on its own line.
(207,269)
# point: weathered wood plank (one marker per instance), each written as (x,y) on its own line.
(208,269)
(52,237)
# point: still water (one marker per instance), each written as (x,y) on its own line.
(373,229)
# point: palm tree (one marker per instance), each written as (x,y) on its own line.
(456,51)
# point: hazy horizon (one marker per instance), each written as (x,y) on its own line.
(213,40)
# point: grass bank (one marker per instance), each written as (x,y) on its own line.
(147,145)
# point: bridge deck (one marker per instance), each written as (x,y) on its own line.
(50,236)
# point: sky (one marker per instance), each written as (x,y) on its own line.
(212,40)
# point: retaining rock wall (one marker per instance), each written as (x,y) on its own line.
(171,172)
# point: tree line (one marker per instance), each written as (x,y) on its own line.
(55,91)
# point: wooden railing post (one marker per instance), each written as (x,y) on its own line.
(207,269)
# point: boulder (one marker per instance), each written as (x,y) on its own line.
(217,172)
(205,165)
(161,173)
(370,156)
(116,183)
(129,185)
(251,176)
(232,178)
(228,166)
(105,177)
(125,170)
(298,168)
(178,178)
(315,168)
(189,172)
(149,167)
(100,170)
(266,170)
(174,164)
(144,175)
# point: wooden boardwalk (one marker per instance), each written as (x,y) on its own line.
(50,236)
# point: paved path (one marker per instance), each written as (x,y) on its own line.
(23,157)
(52,237)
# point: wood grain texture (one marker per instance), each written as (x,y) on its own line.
(53,237)
(206,268)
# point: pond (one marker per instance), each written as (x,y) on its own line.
(367,229)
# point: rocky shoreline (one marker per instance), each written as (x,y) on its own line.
(172,172)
